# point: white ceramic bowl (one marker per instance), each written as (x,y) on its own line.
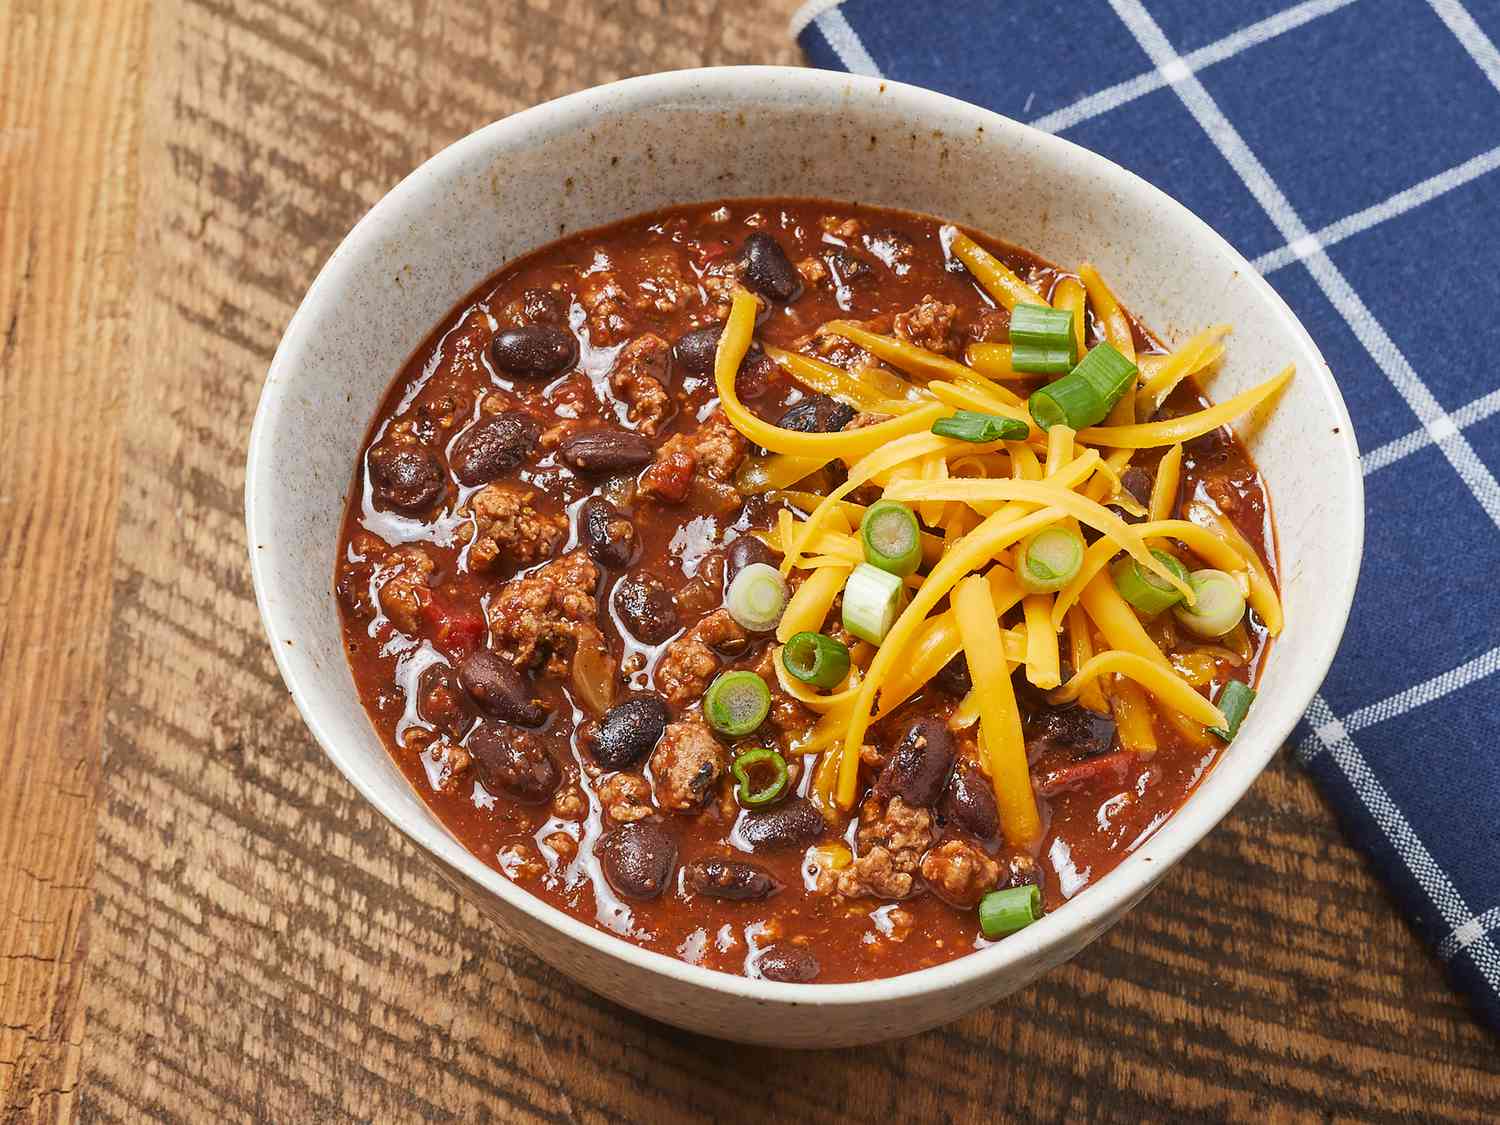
(636,145)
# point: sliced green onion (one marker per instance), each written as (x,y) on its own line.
(1144,590)
(751,797)
(1219,604)
(736,703)
(816,659)
(872,598)
(1234,701)
(1005,912)
(892,539)
(1086,394)
(1033,360)
(1049,560)
(971,425)
(756,597)
(1042,326)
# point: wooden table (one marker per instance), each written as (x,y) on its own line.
(200,920)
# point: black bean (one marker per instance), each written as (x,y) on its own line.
(514,763)
(606,451)
(848,267)
(953,677)
(534,351)
(638,858)
(791,824)
(647,608)
(405,478)
(730,879)
(609,536)
(969,803)
(744,551)
(1138,482)
(816,414)
(543,306)
(695,351)
(627,732)
(493,445)
(500,689)
(765,268)
(918,769)
(441,703)
(1077,730)
(787,963)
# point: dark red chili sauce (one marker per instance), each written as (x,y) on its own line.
(539,531)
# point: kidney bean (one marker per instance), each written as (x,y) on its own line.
(440,702)
(492,446)
(1076,729)
(730,879)
(791,824)
(638,858)
(609,536)
(919,768)
(606,451)
(515,763)
(816,414)
(627,732)
(696,351)
(647,608)
(405,478)
(745,550)
(953,677)
(766,269)
(534,351)
(499,688)
(969,803)
(787,963)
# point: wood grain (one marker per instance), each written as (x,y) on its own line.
(69,112)
(261,947)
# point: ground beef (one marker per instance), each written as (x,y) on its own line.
(893,249)
(404,579)
(711,453)
(447,763)
(520,862)
(787,715)
(690,662)
(990,327)
(664,285)
(928,324)
(891,840)
(719,281)
(812,270)
(545,615)
(639,378)
(607,307)
(838,351)
(508,530)
(626,797)
(1236,497)
(536,306)
(959,873)
(686,767)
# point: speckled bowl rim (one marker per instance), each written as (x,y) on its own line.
(1104,901)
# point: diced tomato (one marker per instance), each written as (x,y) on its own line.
(457,632)
(1110,769)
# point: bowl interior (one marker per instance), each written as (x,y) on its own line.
(697,135)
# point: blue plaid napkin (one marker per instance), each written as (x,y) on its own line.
(1348,148)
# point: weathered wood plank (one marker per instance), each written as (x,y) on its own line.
(69,113)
